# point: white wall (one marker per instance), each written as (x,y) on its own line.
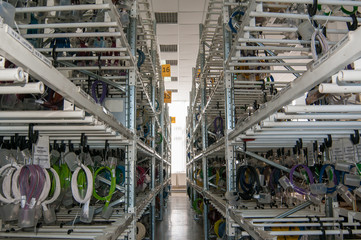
(178,110)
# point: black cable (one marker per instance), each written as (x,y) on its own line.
(354,25)
(312,8)
(246,190)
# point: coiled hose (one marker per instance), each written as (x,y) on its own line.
(247,188)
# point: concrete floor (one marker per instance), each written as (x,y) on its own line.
(178,222)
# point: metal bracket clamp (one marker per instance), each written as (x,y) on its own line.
(228,80)
(132,78)
(230,230)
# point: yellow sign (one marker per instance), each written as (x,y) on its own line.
(166,70)
(172,119)
(168,97)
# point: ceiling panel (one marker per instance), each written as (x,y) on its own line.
(190,17)
(189,38)
(168,39)
(165,6)
(188,51)
(189,29)
(185,71)
(187,63)
(167,29)
(191,5)
(165,55)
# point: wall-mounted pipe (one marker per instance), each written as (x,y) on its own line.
(29,88)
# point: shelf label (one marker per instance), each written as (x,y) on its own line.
(20,39)
(41,152)
(28,46)
(168,97)
(166,70)
(42,58)
(172,119)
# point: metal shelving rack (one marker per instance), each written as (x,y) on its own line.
(228,84)
(139,87)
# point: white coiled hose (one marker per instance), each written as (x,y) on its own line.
(74,185)
(56,192)
(141,231)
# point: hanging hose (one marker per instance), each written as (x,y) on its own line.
(230,24)
(112,185)
(218,126)
(141,231)
(104,91)
(318,35)
(141,58)
(141,175)
(120,174)
(160,138)
(334,177)
(310,177)
(246,189)
(198,205)
(219,228)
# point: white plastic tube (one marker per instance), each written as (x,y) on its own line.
(46,189)
(57,190)
(12,74)
(331,124)
(334,88)
(349,75)
(29,88)
(41,114)
(318,116)
(323,109)
(74,185)
(5,199)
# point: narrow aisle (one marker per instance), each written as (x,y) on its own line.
(178,222)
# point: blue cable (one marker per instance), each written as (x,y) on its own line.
(236,13)
(335,175)
(222,229)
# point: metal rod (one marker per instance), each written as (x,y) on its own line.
(269,162)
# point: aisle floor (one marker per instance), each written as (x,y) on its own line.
(178,222)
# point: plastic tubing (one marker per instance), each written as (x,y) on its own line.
(141,175)
(334,88)
(13,74)
(335,178)
(121,169)
(31,182)
(74,184)
(112,185)
(104,91)
(218,127)
(349,75)
(56,192)
(230,24)
(28,88)
(310,177)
